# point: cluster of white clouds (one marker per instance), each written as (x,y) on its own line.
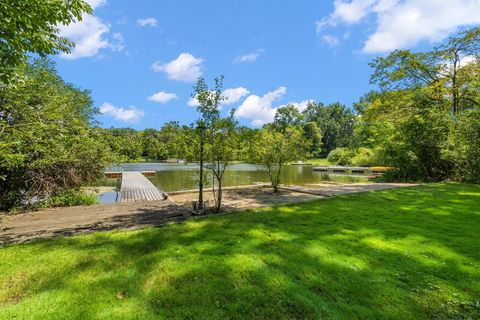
(90,35)
(400,24)
(260,110)
(129,115)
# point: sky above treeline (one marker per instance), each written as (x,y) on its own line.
(140,59)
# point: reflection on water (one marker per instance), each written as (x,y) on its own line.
(173,177)
(108,197)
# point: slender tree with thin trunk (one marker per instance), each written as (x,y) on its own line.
(275,148)
(220,134)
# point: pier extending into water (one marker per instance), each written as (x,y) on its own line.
(351,170)
(136,187)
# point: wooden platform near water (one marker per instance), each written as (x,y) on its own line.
(136,187)
(351,170)
(118,174)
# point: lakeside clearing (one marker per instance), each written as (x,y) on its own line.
(67,221)
(414,254)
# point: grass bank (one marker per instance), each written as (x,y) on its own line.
(401,254)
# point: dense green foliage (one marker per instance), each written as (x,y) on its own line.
(466,146)
(149,144)
(31,27)
(274,147)
(402,258)
(424,121)
(335,122)
(48,139)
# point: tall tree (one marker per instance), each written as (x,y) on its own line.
(443,69)
(336,123)
(287,116)
(312,132)
(48,139)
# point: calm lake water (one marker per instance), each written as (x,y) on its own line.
(177,176)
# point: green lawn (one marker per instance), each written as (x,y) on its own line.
(317,162)
(402,254)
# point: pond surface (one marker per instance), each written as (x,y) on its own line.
(177,176)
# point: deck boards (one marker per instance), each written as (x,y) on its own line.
(135,187)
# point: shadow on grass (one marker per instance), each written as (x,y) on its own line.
(403,254)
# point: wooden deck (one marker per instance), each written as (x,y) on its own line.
(135,187)
(352,170)
(118,174)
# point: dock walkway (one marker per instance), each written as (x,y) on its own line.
(135,187)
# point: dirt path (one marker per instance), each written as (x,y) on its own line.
(76,220)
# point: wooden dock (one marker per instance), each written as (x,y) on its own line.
(135,187)
(118,174)
(351,170)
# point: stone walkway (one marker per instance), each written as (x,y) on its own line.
(51,223)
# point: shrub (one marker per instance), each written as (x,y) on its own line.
(366,157)
(341,156)
(69,198)
(362,157)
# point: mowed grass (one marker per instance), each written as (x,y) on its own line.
(402,254)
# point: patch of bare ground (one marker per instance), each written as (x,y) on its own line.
(56,222)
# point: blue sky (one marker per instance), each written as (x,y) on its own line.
(140,58)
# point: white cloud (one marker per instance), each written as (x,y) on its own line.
(129,115)
(468,59)
(259,109)
(351,11)
(147,22)
(402,24)
(163,97)
(89,35)
(230,96)
(193,102)
(251,57)
(96,3)
(185,68)
(332,41)
(234,95)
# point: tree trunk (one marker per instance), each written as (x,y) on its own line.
(275,188)
(219,196)
(272,179)
(277,180)
(455,91)
(213,189)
